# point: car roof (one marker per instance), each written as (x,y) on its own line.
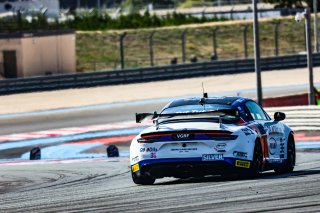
(224,100)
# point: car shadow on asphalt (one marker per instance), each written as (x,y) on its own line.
(265,175)
(300,173)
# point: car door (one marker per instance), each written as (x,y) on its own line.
(274,131)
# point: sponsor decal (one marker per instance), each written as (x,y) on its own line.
(265,147)
(153,155)
(220,147)
(275,160)
(243,164)
(240,154)
(191,111)
(135,168)
(254,128)
(275,130)
(184,149)
(212,157)
(261,129)
(281,148)
(183,136)
(135,159)
(247,131)
(281,155)
(272,146)
(148,149)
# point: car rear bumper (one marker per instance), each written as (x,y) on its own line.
(191,167)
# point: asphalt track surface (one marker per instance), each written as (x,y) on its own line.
(106,186)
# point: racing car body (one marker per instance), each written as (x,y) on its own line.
(207,136)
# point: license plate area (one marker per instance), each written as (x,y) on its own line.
(182,137)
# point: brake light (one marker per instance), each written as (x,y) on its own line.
(190,132)
(223,137)
(218,135)
(147,140)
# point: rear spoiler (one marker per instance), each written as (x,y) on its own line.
(143,116)
(151,116)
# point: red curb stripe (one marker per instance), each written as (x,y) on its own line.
(303,137)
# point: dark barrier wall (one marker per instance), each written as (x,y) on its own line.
(291,100)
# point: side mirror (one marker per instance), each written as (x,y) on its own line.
(279,116)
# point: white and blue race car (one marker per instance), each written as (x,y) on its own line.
(196,137)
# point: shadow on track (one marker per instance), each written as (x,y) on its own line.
(271,175)
(265,175)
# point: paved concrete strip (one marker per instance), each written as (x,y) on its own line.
(237,83)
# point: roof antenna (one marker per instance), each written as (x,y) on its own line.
(205,95)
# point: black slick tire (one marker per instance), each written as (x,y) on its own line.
(291,157)
(143,179)
(256,165)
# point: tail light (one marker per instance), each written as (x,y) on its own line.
(218,135)
(147,140)
(223,137)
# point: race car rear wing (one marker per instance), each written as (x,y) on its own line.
(153,116)
(144,116)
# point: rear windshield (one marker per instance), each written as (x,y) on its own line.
(229,112)
(196,108)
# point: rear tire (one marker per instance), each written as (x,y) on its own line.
(257,159)
(291,158)
(143,179)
